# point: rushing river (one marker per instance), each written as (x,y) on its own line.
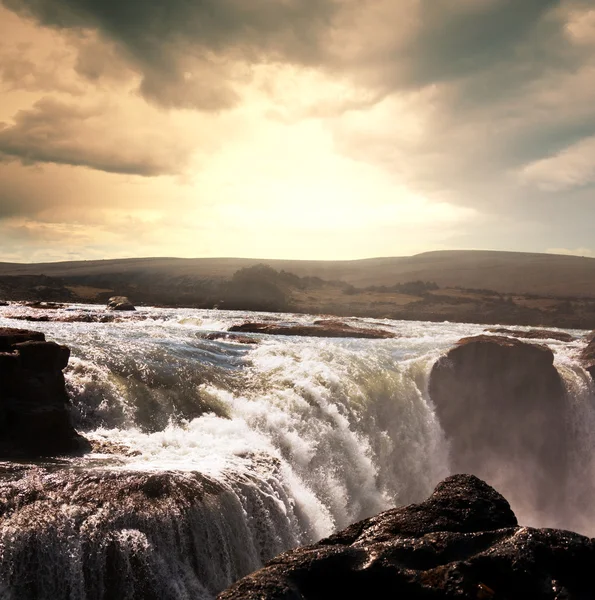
(264,446)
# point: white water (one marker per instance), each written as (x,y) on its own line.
(306,435)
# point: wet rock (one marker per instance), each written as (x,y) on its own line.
(103,446)
(42,356)
(45,305)
(110,533)
(502,405)
(120,303)
(33,318)
(588,355)
(463,542)
(330,329)
(533,334)
(79,318)
(9,337)
(230,337)
(34,405)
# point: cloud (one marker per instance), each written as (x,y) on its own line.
(571,168)
(187,52)
(486,107)
(56,132)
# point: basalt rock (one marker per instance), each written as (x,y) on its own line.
(120,303)
(327,329)
(463,542)
(502,405)
(34,405)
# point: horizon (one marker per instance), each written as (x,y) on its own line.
(252,258)
(327,130)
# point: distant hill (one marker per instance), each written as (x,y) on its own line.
(503,272)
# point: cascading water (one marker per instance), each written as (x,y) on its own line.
(214,456)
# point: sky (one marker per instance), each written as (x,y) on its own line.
(313,129)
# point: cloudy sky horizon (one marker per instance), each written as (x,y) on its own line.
(314,129)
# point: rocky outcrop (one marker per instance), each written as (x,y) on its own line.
(533,334)
(323,328)
(223,336)
(502,406)
(34,415)
(588,355)
(120,303)
(463,542)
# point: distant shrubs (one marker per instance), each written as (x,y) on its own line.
(413,288)
(256,288)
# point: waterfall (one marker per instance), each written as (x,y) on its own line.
(211,456)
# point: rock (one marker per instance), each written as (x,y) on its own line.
(79,318)
(111,533)
(42,356)
(329,329)
(33,318)
(533,334)
(120,303)
(588,355)
(502,406)
(34,416)
(9,337)
(45,305)
(230,337)
(3,303)
(463,542)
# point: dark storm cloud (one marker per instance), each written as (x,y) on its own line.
(159,35)
(184,48)
(60,133)
(456,42)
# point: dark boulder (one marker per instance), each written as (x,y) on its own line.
(463,542)
(503,408)
(9,337)
(34,406)
(326,329)
(120,303)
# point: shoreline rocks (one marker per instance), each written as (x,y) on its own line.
(462,542)
(34,414)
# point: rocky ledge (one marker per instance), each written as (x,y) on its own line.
(322,328)
(462,542)
(533,334)
(34,406)
(588,354)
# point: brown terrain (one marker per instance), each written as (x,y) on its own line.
(474,286)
